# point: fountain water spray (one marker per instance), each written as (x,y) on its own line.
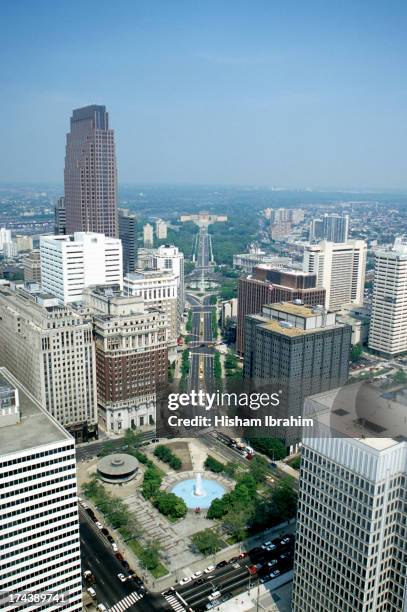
(198,491)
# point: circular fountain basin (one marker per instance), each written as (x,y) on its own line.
(211,489)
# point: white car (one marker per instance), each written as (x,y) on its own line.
(99,525)
(121,577)
(91,592)
(115,548)
(214,595)
(197,574)
(101,608)
(185,580)
(209,569)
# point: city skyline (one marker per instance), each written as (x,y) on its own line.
(295,98)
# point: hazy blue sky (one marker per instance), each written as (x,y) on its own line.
(256,92)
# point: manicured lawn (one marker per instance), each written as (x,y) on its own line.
(137,548)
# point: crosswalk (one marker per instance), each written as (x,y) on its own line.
(174,603)
(126,602)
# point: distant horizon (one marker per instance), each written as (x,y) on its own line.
(263,187)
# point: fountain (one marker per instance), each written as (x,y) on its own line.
(198,485)
(198,492)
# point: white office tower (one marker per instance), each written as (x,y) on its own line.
(388,325)
(70,263)
(340,269)
(50,349)
(351,544)
(158,289)
(148,235)
(5,237)
(161,229)
(39,526)
(168,257)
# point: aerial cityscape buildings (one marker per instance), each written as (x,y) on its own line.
(72,262)
(340,270)
(388,325)
(350,545)
(90,173)
(39,527)
(128,237)
(49,348)
(331,227)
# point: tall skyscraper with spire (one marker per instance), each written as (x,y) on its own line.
(91,173)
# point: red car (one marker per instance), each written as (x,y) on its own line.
(252,569)
(243,555)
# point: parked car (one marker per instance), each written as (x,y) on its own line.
(209,569)
(105,531)
(214,595)
(99,525)
(91,592)
(119,556)
(114,547)
(275,573)
(221,564)
(185,580)
(233,560)
(197,574)
(121,577)
(101,608)
(252,569)
(89,577)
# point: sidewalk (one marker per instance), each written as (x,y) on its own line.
(225,554)
(284,467)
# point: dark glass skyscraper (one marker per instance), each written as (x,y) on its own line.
(91,173)
(127,234)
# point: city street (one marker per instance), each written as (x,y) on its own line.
(98,557)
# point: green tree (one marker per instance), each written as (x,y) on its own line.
(150,555)
(213,465)
(284,500)
(230,469)
(207,542)
(258,468)
(400,377)
(272,447)
(131,438)
(356,352)
(231,361)
(170,504)
(236,523)
(216,509)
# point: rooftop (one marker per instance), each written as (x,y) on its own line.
(36,428)
(293,309)
(360,411)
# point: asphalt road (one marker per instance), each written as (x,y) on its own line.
(235,578)
(91,449)
(98,557)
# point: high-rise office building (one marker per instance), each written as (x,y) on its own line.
(168,257)
(158,289)
(39,526)
(24,243)
(351,545)
(70,263)
(128,236)
(131,357)
(60,217)
(5,237)
(340,270)
(49,348)
(32,268)
(388,324)
(269,285)
(331,227)
(296,348)
(90,173)
(285,215)
(161,229)
(148,235)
